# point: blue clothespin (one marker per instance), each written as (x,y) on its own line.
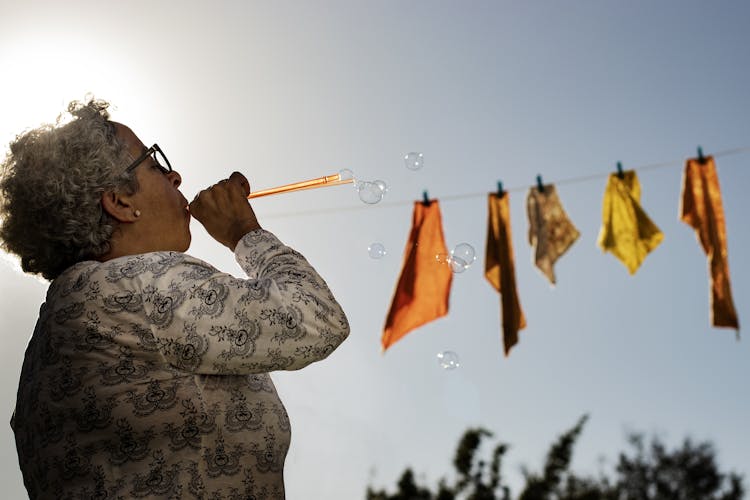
(425,198)
(620,173)
(539,184)
(701,158)
(500,191)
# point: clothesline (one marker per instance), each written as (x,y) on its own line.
(569,180)
(627,232)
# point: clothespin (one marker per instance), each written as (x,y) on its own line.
(425,198)
(539,184)
(500,191)
(620,173)
(701,158)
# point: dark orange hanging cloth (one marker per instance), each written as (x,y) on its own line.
(424,286)
(499,267)
(701,208)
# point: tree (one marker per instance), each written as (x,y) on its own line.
(648,472)
(684,473)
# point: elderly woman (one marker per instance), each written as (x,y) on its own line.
(147,373)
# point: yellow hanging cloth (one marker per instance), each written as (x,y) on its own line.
(499,268)
(551,233)
(424,286)
(626,230)
(701,208)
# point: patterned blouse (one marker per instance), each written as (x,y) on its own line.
(147,375)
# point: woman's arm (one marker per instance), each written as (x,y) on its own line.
(283,317)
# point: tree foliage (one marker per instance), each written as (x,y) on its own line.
(645,471)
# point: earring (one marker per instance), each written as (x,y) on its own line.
(137,213)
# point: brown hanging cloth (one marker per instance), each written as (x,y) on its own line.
(701,208)
(499,268)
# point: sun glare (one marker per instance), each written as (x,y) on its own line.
(41,77)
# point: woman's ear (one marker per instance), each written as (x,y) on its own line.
(119,206)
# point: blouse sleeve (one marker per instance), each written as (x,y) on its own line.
(283,317)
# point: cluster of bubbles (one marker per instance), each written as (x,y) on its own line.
(448,360)
(370,192)
(460,259)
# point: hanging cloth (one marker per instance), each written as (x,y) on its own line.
(626,230)
(701,208)
(499,268)
(424,286)
(551,232)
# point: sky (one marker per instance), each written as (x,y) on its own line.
(487,91)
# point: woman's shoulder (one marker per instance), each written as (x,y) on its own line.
(151,265)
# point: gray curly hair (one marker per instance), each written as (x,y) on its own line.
(51,183)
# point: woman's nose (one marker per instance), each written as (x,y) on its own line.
(175,177)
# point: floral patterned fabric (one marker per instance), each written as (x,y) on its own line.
(147,375)
(551,233)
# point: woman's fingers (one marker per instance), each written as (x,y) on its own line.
(224,211)
(242,181)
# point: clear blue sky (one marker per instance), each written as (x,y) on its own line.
(488,91)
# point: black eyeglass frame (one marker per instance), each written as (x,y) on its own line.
(150,151)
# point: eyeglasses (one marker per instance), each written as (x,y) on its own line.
(157,155)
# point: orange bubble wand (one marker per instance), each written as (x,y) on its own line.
(326,180)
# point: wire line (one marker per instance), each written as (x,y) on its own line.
(569,180)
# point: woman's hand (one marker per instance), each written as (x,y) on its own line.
(224,211)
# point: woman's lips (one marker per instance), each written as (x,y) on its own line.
(186,206)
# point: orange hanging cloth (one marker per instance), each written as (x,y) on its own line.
(702,209)
(499,268)
(424,286)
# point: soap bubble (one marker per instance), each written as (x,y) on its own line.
(382,185)
(369,192)
(414,161)
(376,250)
(448,360)
(462,257)
(458,265)
(465,252)
(345,174)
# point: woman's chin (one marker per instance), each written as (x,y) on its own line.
(187,241)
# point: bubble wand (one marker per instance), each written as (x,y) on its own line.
(326,180)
